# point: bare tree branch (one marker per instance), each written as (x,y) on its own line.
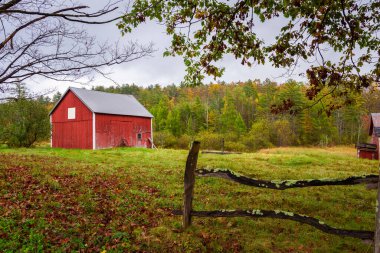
(42,38)
(8,5)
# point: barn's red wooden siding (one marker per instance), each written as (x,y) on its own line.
(71,133)
(112,130)
(367,154)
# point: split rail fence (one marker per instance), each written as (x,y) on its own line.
(191,171)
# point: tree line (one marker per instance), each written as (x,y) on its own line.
(251,115)
(244,116)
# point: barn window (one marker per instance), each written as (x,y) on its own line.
(71,113)
(139,136)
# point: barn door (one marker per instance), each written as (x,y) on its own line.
(139,139)
(121,133)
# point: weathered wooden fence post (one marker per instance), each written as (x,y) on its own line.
(377,231)
(191,165)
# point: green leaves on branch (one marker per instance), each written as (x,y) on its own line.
(202,33)
(340,35)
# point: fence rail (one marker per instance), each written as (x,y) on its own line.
(189,181)
(285,184)
(278,214)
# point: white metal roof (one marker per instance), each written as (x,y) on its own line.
(375,124)
(375,118)
(109,103)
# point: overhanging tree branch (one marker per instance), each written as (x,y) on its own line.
(8,5)
(348,29)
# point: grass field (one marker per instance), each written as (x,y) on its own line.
(121,200)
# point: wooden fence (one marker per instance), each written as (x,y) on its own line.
(191,170)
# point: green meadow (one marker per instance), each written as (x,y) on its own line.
(120,200)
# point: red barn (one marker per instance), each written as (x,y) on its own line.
(89,119)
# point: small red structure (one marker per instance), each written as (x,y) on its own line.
(367,151)
(371,150)
(89,119)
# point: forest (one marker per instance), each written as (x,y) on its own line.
(247,116)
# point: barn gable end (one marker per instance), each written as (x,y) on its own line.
(71,123)
(92,119)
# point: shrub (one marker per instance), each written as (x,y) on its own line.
(234,146)
(164,139)
(259,136)
(184,142)
(210,140)
(232,136)
(23,122)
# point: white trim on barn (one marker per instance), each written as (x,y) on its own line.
(51,132)
(151,132)
(71,113)
(93,132)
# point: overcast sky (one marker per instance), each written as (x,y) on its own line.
(170,70)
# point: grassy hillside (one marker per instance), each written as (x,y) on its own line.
(121,200)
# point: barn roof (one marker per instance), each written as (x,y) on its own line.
(109,103)
(377,131)
(375,124)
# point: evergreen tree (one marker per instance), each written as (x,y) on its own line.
(229,114)
(240,127)
(173,122)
